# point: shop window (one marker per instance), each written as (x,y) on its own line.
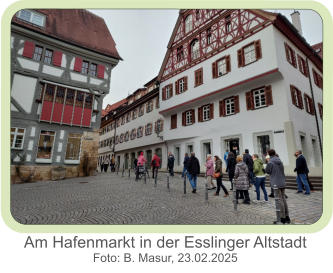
(45,146)
(73,148)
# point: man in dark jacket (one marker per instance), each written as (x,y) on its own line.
(193,171)
(278,182)
(247,159)
(302,173)
(186,160)
(171,162)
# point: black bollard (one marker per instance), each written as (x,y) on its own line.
(168,183)
(234,193)
(155,178)
(129,173)
(185,184)
(206,192)
(145,176)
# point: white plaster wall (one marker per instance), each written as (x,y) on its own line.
(12,39)
(51,70)
(266,63)
(13,108)
(28,64)
(95,81)
(78,77)
(23,90)
(71,66)
(63,61)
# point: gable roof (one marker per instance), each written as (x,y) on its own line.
(76,26)
(318,48)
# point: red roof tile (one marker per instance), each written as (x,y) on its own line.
(76,26)
(318,48)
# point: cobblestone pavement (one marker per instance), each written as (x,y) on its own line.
(112,199)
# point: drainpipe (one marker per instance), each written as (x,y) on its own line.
(315,112)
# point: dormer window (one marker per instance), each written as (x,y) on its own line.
(31,17)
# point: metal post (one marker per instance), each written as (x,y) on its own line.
(234,193)
(185,183)
(145,176)
(168,183)
(277,206)
(155,178)
(117,169)
(122,172)
(129,173)
(206,192)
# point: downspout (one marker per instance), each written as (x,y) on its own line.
(315,112)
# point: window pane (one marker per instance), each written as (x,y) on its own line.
(73,147)
(45,144)
(25,15)
(48,56)
(249,54)
(37,19)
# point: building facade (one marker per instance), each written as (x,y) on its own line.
(133,127)
(61,63)
(241,79)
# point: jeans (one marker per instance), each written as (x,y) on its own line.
(260,183)
(193,181)
(155,171)
(219,185)
(251,177)
(282,202)
(302,180)
(184,172)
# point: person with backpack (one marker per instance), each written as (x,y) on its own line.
(171,163)
(155,164)
(260,177)
(140,163)
(218,176)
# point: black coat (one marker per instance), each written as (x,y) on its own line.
(301,166)
(186,161)
(231,167)
(171,161)
(193,166)
(247,159)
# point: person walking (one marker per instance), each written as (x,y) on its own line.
(225,157)
(101,164)
(302,173)
(112,164)
(241,180)
(155,164)
(185,163)
(193,171)
(140,163)
(218,176)
(247,159)
(259,174)
(278,182)
(231,168)
(210,172)
(171,163)
(106,164)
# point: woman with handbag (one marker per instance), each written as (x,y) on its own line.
(218,176)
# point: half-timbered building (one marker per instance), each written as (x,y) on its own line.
(241,79)
(61,62)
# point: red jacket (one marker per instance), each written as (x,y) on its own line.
(157,161)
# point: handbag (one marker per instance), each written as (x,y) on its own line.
(217,175)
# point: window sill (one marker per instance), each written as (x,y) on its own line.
(198,85)
(250,63)
(72,161)
(43,160)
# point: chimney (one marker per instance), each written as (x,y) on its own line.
(296,20)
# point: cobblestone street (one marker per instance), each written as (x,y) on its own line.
(112,199)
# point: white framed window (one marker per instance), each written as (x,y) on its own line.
(230,106)
(133,134)
(121,138)
(134,114)
(149,106)
(159,126)
(126,136)
(249,54)
(141,110)
(195,53)
(45,146)
(139,132)
(181,83)
(149,129)
(189,118)
(17,138)
(73,148)
(128,117)
(167,92)
(221,67)
(188,23)
(206,112)
(122,120)
(31,17)
(259,98)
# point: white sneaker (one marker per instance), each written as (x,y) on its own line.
(256,201)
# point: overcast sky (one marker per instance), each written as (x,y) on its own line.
(142,37)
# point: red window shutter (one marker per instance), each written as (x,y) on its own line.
(78,64)
(177,87)
(184,118)
(200,117)
(299,63)
(29,48)
(240,57)
(193,115)
(257,46)
(236,102)
(185,83)
(211,111)
(268,95)
(201,76)
(163,93)
(214,70)
(57,58)
(320,79)
(294,58)
(155,124)
(228,63)
(100,71)
(320,108)
(312,107)
(315,76)
(171,91)
(222,108)
(249,100)
(306,69)
(300,99)
(293,94)
(306,98)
